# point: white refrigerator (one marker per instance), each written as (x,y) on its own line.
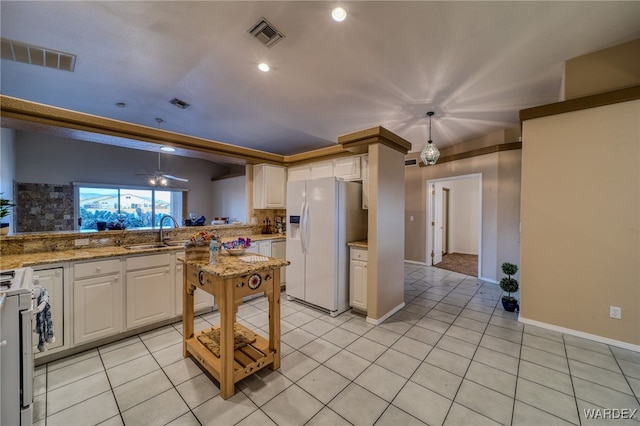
(323,215)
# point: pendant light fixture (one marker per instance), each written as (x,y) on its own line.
(430,152)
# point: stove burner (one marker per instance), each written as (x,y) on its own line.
(5,285)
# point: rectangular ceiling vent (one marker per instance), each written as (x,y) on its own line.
(266,33)
(411,162)
(180,103)
(36,55)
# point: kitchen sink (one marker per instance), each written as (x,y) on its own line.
(175,243)
(155,245)
(144,246)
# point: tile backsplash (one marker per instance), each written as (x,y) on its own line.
(43,207)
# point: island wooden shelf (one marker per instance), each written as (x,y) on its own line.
(230,281)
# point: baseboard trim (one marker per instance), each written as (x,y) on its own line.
(488,280)
(572,332)
(415,262)
(378,321)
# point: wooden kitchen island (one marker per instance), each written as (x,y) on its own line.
(230,281)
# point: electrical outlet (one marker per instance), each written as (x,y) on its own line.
(81,242)
(615,312)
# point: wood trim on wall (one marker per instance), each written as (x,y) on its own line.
(601,99)
(476,152)
(18,113)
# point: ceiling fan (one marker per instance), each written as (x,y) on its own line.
(160,178)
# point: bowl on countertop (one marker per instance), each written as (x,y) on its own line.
(236,251)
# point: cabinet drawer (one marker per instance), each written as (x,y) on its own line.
(148,261)
(359,254)
(91,269)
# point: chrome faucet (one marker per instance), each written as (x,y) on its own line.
(175,225)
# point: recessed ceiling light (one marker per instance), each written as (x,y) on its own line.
(263,67)
(167,148)
(339,14)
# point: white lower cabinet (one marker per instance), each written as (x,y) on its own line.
(148,292)
(201,299)
(53,281)
(358,279)
(97,300)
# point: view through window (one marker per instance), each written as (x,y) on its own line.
(124,207)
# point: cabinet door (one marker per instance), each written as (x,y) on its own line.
(264,248)
(358,285)
(347,168)
(97,308)
(321,169)
(279,251)
(298,173)
(53,281)
(269,187)
(201,299)
(148,296)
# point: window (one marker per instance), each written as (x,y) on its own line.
(132,207)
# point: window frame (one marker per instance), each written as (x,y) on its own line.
(177,215)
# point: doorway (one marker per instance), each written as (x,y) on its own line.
(454,223)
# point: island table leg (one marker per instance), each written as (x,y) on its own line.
(227,319)
(274,320)
(187,312)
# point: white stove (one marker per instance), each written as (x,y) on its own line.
(16,347)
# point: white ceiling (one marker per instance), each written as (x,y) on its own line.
(476,64)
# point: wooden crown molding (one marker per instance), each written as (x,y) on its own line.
(358,142)
(476,152)
(66,123)
(577,104)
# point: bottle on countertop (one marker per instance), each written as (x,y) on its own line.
(214,248)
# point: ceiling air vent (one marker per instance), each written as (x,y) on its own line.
(36,55)
(411,162)
(266,33)
(180,103)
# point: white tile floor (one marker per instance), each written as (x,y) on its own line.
(452,356)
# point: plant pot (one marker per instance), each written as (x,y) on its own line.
(4,228)
(510,305)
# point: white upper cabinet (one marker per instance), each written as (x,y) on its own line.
(347,168)
(299,173)
(269,187)
(322,169)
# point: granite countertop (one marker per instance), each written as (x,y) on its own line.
(359,244)
(41,258)
(232,266)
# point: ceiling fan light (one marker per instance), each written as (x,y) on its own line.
(430,154)
(152,182)
(163,181)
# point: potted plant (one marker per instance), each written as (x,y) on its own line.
(5,205)
(509,285)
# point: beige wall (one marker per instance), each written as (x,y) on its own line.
(500,205)
(581,220)
(613,68)
(385,266)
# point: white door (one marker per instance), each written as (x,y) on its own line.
(321,265)
(296,191)
(436,193)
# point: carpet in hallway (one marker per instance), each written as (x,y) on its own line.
(463,263)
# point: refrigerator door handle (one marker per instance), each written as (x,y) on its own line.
(307,228)
(303,225)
